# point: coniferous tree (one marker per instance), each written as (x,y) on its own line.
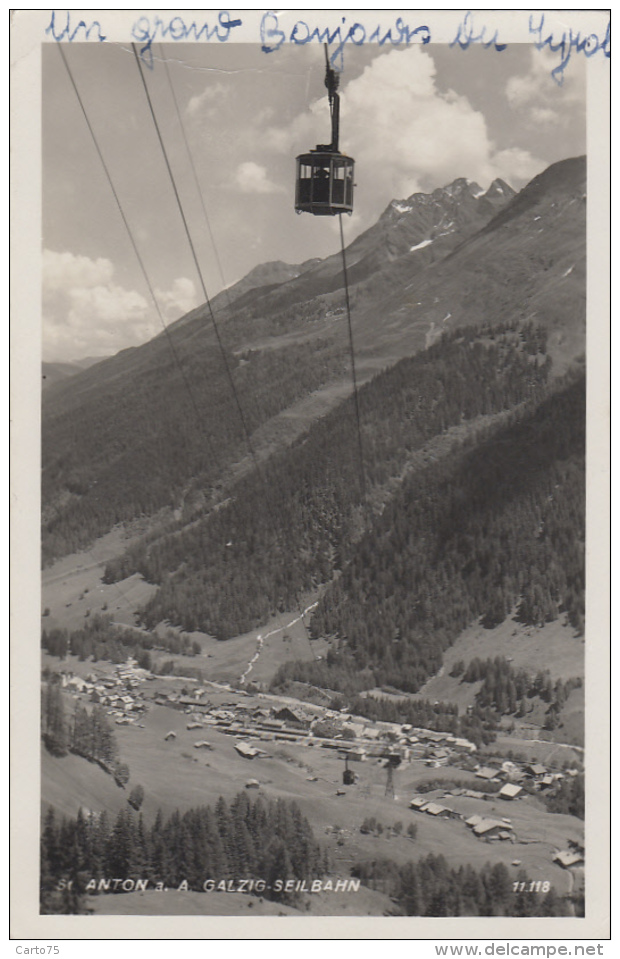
(120,847)
(54,724)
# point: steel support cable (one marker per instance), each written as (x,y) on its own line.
(218,262)
(149,285)
(200,418)
(138,257)
(195,175)
(353,371)
(220,269)
(196,263)
(134,245)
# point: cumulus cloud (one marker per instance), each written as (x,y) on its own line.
(541,101)
(177,301)
(63,271)
(544,115)
(405,133)
(202,103)
(515,165)
(85,313)
(251,177)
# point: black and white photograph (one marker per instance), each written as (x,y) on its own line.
(321,359)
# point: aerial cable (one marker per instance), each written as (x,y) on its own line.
(150,287)
(219,265)
(218,261)
(169,339)
(353,371)
(196,263)
(324,187)
(133,243)
(194,173)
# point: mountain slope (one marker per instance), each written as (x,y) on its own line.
(157,427)
(286,530)
(54,372)
(441,219)
(467,538)
(258,281)
(527,263)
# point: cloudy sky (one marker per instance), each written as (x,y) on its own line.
(413,119)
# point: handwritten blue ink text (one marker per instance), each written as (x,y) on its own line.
(145,31)
(69,32)
(272,37)
(466,35)
(566,43)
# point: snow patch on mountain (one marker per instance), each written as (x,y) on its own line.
(449,229)
(419,246)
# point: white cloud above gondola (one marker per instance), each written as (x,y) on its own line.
(421,136)
(251,177)
(413,119)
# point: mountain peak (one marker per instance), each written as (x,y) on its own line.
(457,190)
(460,186)
(499,187)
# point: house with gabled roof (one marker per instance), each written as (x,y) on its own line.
(536,769)
(488,773)
(492,829)
(510,791)
(436,809)
(567,858)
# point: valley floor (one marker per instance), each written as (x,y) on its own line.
(177,775)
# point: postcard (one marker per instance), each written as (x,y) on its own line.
(310,405)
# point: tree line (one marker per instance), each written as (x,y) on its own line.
(87,734)
(91,736)
(568,797)
(100,640)
(431,887)
(272,840)
(244,838)
(507,689)
(54,728)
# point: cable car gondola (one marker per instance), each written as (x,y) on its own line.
(324,185)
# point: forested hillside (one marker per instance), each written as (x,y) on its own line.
(272,840)
(470,536)
(158,428)
(287,528)
(157,425)
(127,453)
